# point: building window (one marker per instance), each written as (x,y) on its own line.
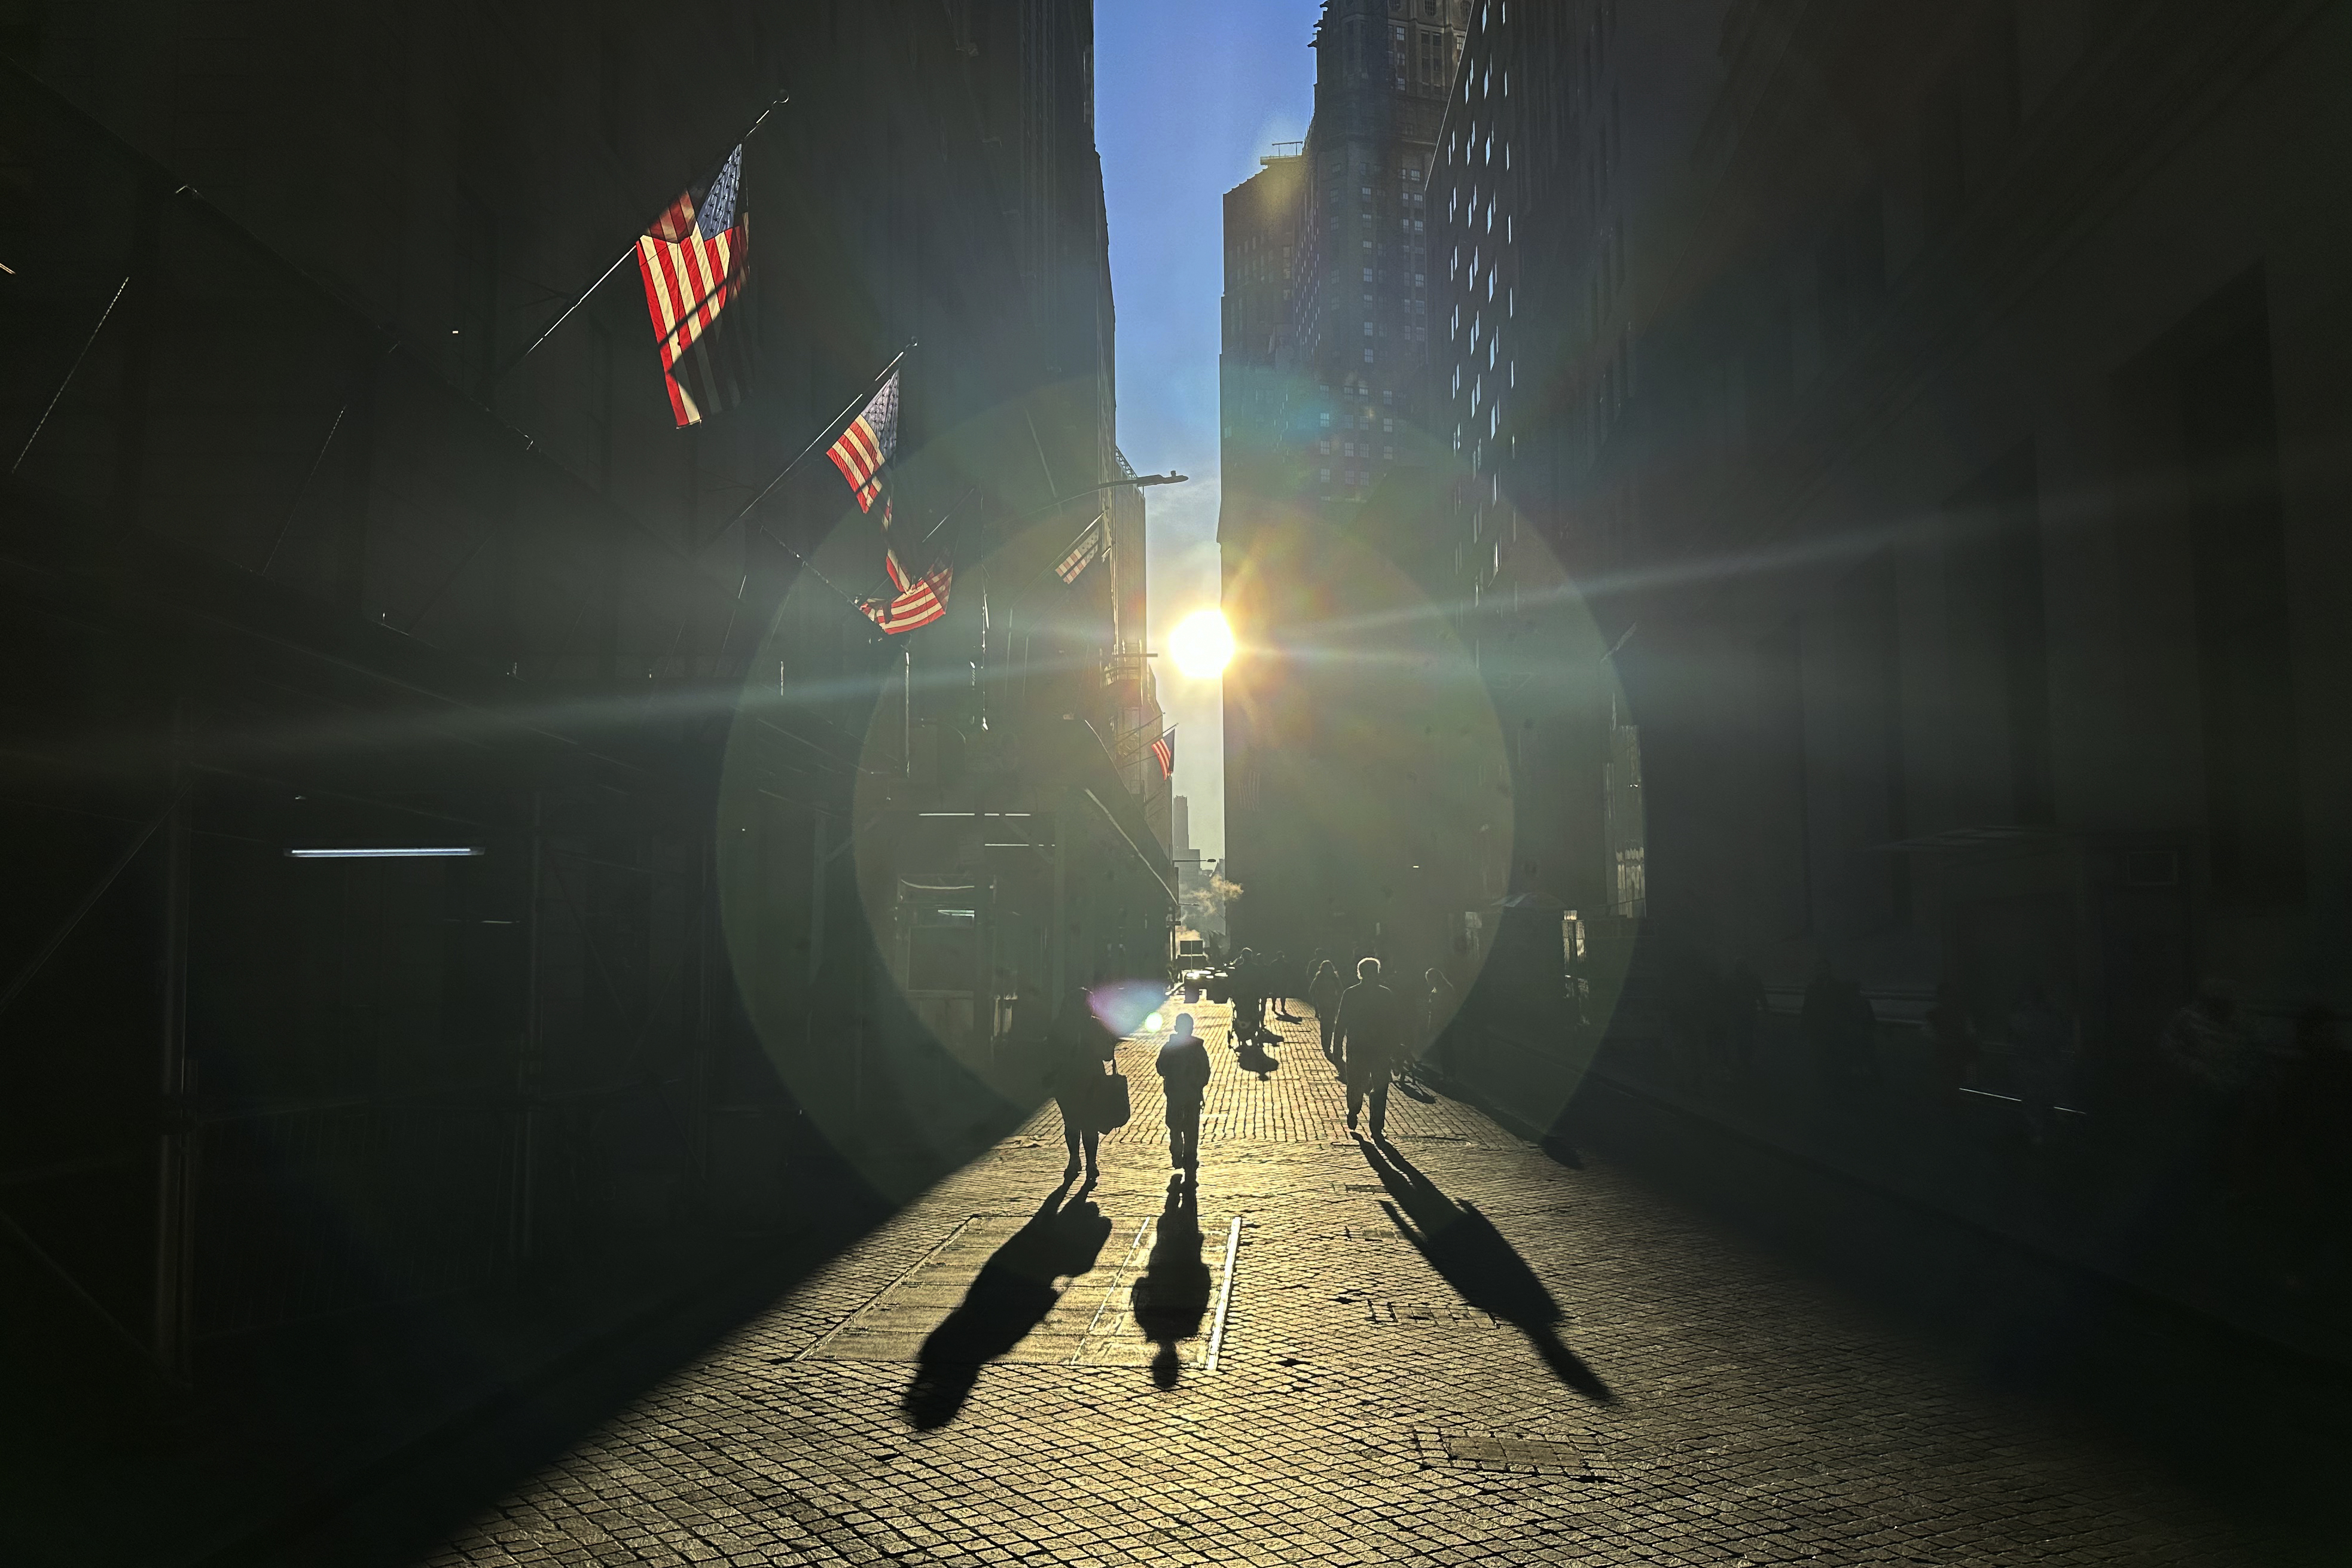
(1432,60)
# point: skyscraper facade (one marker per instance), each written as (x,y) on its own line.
(1921,477)
(1325,338)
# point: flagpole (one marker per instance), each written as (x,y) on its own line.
(820,439)
(71,371)
(618,262)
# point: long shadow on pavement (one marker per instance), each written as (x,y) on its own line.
(1010,1296)
(1252,1057)
(1172,1295)
(1483,1268)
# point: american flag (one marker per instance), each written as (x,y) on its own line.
(869,443)
(917,603)
(695,260)
(1082,555)
(1164,749)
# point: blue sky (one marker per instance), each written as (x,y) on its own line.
(1185,100)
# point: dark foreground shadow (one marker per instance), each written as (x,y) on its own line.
(1483,1268)
(397,1507)
(1011,1296)
(1172,1297)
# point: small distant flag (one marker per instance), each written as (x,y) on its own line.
(869,444)
(917,603)
(695,259)
(1083,553)
(1164,750)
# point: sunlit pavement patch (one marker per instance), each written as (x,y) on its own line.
(1481,1356)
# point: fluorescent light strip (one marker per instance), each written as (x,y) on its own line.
(400,852)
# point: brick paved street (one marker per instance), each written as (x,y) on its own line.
(1468,1351)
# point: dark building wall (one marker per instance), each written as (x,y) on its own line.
(1934,439)
(291,562)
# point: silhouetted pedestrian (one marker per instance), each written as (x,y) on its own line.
(1370,1031)
(1184,1072)
(1323,994)
(1248,981)
(1081,1044)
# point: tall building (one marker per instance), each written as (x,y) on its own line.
(303,555)
(1560,172)
(1326,329)
(1941,488)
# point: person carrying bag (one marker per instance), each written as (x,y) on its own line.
(1079,1046)
(1112,1104)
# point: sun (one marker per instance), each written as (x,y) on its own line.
(1203,644)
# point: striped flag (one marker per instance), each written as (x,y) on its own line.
(1083,553)
(695,260)
(1164,749)
(916,602)
(869,444)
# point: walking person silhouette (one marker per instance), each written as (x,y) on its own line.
(1371,1032)
(1079,1046)
(1184,1070)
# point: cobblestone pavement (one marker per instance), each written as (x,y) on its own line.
(1463,1351)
